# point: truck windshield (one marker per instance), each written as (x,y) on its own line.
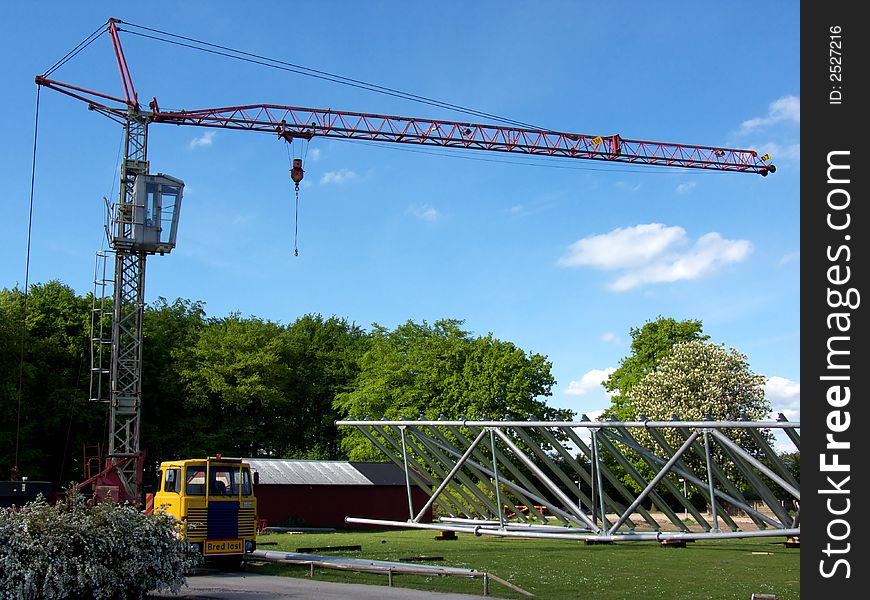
(224,480)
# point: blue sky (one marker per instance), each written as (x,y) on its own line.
(561,257)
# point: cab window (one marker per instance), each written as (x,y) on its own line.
(228,480)
(194,481)
(172,480)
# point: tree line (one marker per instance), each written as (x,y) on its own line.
(245,386)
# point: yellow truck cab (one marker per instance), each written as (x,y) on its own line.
(214,500)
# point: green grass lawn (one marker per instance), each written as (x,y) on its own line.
(556,569)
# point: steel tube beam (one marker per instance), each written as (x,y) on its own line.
(635,474)
(720,475)
(421,461)
(586,424)
(757,464)
(596,458)
(450,475)
(658,536)
(417,479)
(438,438)
(407,477)
(480,501)
(653,483)
(772,456)
(710,479)
(546,459)
(495,479)
(737,501)
(564,516)
(531,491)
(675,519)
(613,480)
(437,433)
(572,462)
(567,503)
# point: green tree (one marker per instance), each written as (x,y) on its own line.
(323,357)
(49,365)
(421,370)
(170,429)
(233,378)
(650,344)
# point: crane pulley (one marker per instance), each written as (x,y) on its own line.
(135,236)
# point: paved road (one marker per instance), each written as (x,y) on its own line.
(249,586)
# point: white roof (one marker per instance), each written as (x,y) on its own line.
(280,471)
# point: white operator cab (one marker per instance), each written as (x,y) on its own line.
(156,208)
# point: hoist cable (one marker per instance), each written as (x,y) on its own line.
(26,282)
(296,232)
(81,46)
(315,73)
(296,214)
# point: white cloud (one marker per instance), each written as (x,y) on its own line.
(610,337)
(590,380)
(338,177)
(630,187)
(202,141)
(313,154)
(784,396)
(710,252)
(786,108)
(684,188)
(594,415)
(425,213)
(790,257)
(648,254)
(782,388)
(623,247)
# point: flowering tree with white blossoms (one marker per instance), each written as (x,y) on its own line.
(697,381)
(700,380)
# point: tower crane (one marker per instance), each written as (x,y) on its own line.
(144,220)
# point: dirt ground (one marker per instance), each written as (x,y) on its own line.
(741,520)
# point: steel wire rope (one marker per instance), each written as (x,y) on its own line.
(81,46)
(318,74)
(26,283)
(526,161)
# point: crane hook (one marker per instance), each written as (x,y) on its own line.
(296,173)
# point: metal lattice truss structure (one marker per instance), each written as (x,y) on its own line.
(559,479)
(123,390)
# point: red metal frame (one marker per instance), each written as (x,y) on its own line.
(126,79)
(291,122)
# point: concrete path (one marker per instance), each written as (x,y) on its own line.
(249,586)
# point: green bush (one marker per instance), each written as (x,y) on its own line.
(71,550)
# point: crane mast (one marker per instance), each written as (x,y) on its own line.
(125,457)
(134,235)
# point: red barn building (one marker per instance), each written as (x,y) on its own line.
(321,493)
